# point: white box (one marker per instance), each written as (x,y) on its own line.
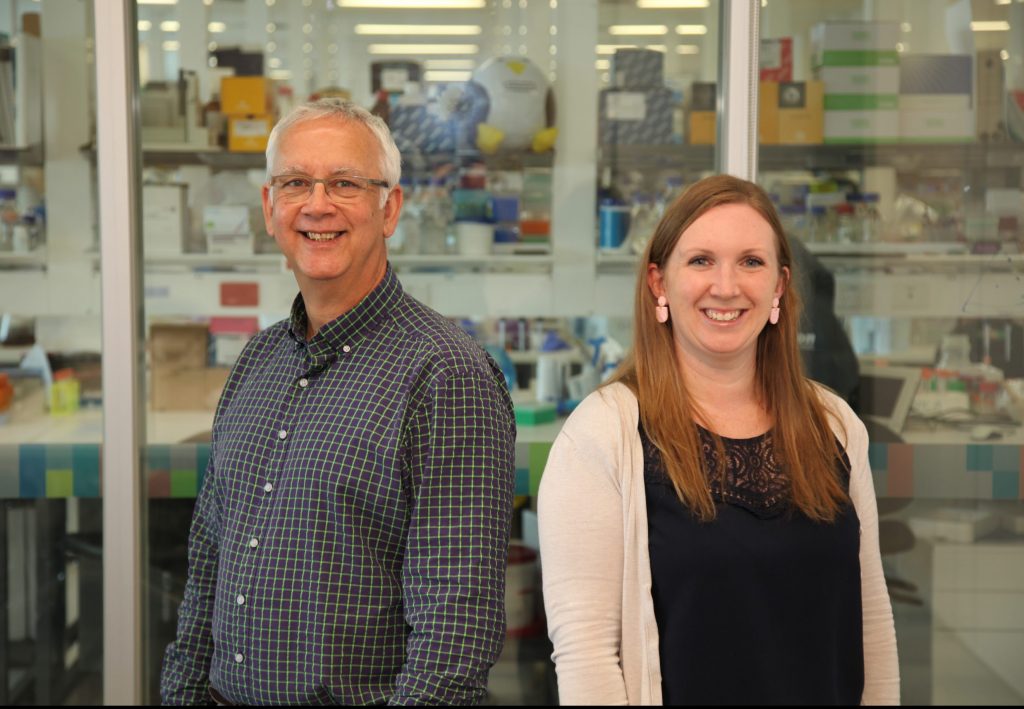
(930,125)
(227,229)
(846,35)
(862,126)
(860,80)
(954,525)
(164,219)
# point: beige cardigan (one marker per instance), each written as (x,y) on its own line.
(597,571)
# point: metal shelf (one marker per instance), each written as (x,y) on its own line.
(28,156)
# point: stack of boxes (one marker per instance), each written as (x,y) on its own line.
(248,104)
(638,110)
(859,65)
(936,97)
(789,112)
(702,115)
(180,377)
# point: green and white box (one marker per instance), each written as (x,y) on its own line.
(860,79)
(852,42)
(869,126)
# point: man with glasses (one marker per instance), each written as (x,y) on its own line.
(350,539)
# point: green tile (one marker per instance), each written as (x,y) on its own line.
(59,483)
(979,457)
(1005,486)
(184,483)
(538,459)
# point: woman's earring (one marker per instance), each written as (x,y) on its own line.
(773,318)
(661,309)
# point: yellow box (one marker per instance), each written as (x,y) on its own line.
(791,112)
(245,96)
(702,127)
(249,134)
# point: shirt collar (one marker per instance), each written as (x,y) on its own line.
(342,333)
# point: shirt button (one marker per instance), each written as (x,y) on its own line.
(254,542)
(268,487)
(240,599)
(239,657)
(282,434)
(346,349)
(303,383)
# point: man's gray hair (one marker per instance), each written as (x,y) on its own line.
(340,109)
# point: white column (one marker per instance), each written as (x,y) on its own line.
(574,179)
(737,117)
(193,37)
(123,490)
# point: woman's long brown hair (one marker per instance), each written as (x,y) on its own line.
(804,443)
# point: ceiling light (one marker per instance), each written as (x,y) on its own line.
(603,64)
(216,27)
(446,75)
(462,30)
(170,25)
(144,25)
(281,74)
(636,30)
(423,49)
(274,63)
(158,2)
(449,64)
(691,29)
(171,45)
(610,48)
(687,49)
(415,4)
(990,26)
(671,4)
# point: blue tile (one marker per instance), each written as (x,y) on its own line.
(522,481)
(878,456)
(158,457)
(202,462)
(32,471)
(85,462)
(1005,486)
(979,457)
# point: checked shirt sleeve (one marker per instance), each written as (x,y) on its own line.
(185,677)
(462,461)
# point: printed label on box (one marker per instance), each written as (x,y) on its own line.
(626,106)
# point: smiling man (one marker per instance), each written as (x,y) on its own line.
(350,539)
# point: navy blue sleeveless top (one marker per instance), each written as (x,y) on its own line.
(761,605)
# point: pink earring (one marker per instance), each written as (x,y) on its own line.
(661,310)
(773,318)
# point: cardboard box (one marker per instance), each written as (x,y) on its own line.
(249,134)
(791,113)
(702,118)
(776,59)
(227,229)
(636,68)
(178,345)
(635,117)
(187,389)
(246,96)
(164,219)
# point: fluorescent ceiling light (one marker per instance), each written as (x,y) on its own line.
(158,2)
(463,64)
(170,25)
(671,4)
(1002,2)
(145,25)
(691,29)
(687,49)
(446,75)
(423,49)
(461,30)
(990,26)
(603,64)
(274,63)
(216,27)
(281,74)
(171,45)
(610,48)
(415,4)
(636,30)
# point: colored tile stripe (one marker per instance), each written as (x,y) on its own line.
(973,472)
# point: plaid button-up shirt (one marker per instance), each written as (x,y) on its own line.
(350,539)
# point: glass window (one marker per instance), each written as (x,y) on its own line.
(890,137)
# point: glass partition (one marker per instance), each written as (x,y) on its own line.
(890,137)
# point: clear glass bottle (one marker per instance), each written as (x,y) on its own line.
(435,218)
(847,228)
(8,217)
(818,230)
(869,217)
(642,221)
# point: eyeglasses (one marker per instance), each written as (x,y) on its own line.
(295,187)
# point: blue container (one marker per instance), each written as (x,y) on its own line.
(613,225)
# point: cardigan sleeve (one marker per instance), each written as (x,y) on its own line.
(881,664)
(581,541)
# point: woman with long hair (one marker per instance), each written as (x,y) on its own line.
(708,523)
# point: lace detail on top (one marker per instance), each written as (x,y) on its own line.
(753,479)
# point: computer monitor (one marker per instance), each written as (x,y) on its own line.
(885,394)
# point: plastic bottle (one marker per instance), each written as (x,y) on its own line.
(8,217)
(847,229)
(817,226)
(869,217)
(435,218)
(642,221)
